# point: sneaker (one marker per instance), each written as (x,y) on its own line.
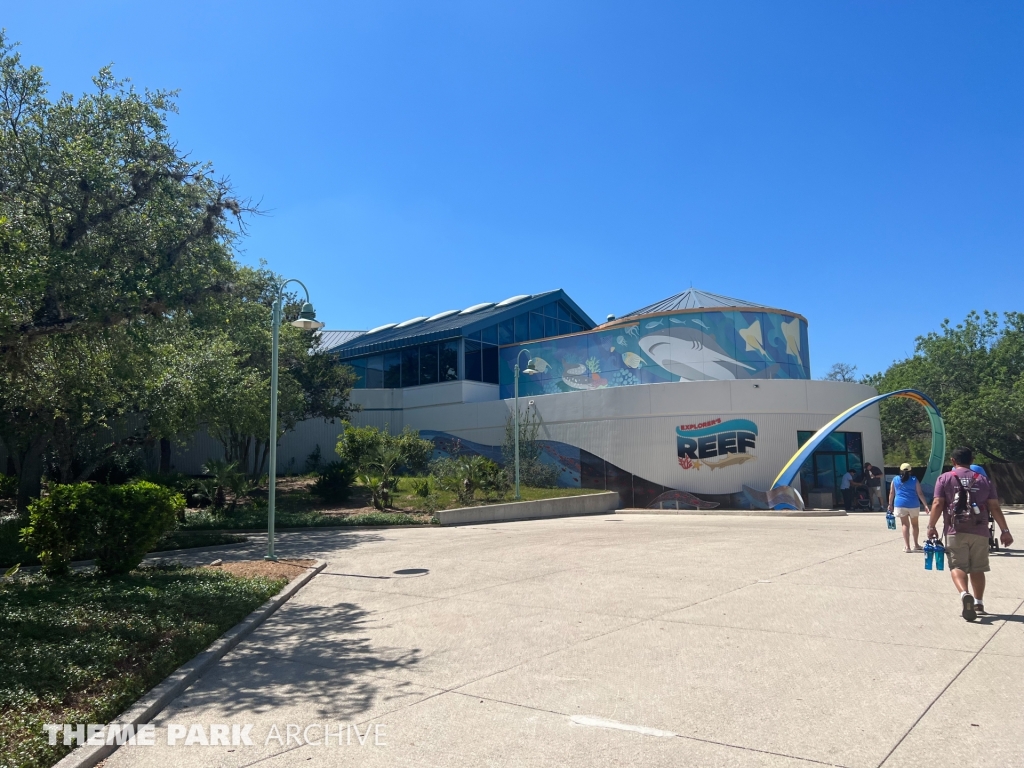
(979,608)
(969,612)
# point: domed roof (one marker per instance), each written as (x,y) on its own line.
(692,298)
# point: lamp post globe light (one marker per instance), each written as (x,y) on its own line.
(530,370)
(306,322)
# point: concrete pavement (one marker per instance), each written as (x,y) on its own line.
(618,640)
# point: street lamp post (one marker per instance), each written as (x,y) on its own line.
(528,370)
(307,322)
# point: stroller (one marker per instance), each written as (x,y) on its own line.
(861,499)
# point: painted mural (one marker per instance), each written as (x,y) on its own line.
(579,468)
(683,346)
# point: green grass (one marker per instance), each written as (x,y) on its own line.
(82,649)
(250,517)
(405,498)
(409,509)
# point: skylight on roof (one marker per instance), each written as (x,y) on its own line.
(477,308)
(442,315)
(380,328)
(513,300)
(412,321)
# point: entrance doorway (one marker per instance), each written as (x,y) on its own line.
(823,471)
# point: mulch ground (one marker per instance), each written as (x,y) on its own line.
(287,569)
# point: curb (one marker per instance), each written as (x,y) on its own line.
(279,529)
(601,503)
(737,512)
(186,550)
(152,703)
(149,556)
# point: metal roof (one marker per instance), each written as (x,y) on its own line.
(328,340)
(693,298)
(451,324)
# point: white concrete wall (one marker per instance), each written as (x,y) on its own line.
(632,427)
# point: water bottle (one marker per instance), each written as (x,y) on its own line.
(929,553)
(940,554)
(890,521)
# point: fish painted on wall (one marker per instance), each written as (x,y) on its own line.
(632,359)
(752,337)
(729,460)
(691,355)
(540,364)
(654,324)
(584,375)
(791,333)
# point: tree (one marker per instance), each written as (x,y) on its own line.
(103,221)
(532,471)
(974,372)
(234,400)
(841,372)
(106,232)
(124,318)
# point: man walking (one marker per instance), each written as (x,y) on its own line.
(873,479)
(965,500)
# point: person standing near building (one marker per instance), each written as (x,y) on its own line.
(964,500)
(846,487)
(906,500)
(873,480)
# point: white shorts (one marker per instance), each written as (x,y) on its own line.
(907,511)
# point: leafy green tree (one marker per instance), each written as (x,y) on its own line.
(974,372)
(103,220)
(123,316)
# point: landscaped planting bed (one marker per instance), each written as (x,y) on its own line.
(81,649)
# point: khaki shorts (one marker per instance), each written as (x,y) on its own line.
(968,552)
(907,511)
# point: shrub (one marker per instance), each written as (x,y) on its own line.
(334,481)
(130,519)
(421,486)
(118,523)
(59,526)
(465,475)
(358,446)
(380,473)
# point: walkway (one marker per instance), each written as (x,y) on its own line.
(631,640)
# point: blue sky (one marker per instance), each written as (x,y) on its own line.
(861,163)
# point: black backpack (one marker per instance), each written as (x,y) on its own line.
(964,503)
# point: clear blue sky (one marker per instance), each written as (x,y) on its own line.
(861,163)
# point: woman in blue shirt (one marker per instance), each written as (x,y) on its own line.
(906,500)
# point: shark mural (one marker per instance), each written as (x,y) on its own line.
(685,345)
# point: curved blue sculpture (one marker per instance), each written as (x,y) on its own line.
(938,452)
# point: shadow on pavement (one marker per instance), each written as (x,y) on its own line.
(311,657)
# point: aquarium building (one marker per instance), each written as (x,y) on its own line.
(696,394)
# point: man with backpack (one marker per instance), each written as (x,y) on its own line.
(964,499)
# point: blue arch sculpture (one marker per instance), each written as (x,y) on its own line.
(938,451)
